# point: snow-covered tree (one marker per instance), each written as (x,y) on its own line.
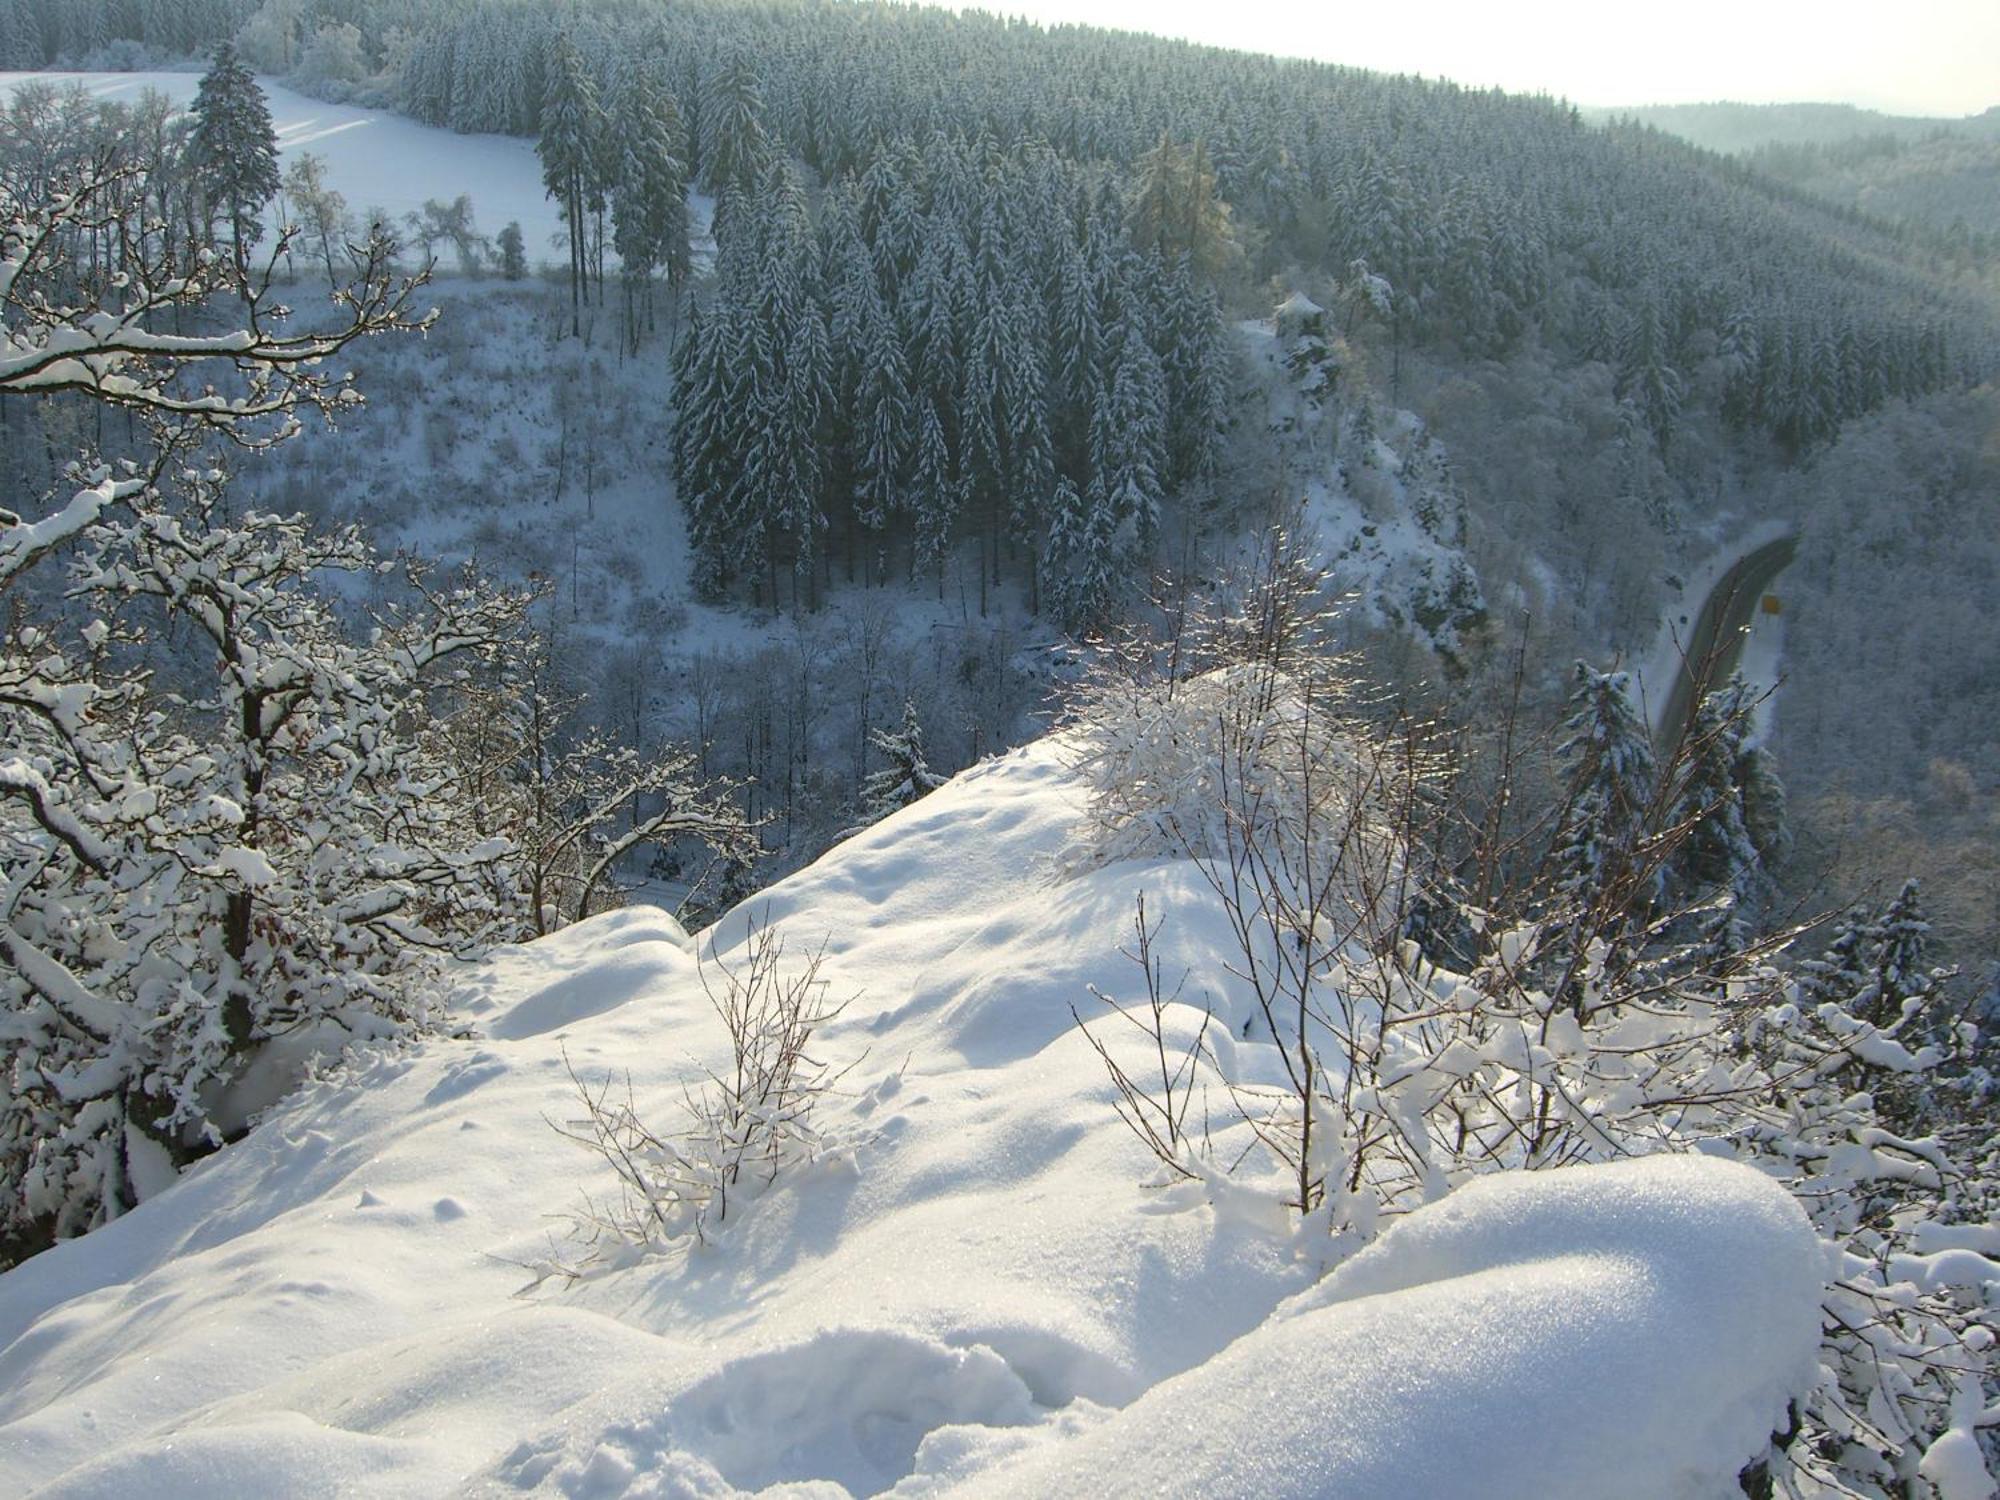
(1716,850)
(513,250)
(905,775)
(238,821)
(572,126)
(1611,769)
(319,210)
(235,150)
(649,195)
(735,150)
(172,899)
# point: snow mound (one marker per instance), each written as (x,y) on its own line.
(976,1295)
(1634,1329)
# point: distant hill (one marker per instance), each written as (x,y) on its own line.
(1935,174)
(1740,128)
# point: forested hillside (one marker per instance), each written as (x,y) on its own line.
(1735,129)
(969,322)
(1322,469)
(1936,181)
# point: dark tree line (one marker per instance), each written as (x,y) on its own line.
(1492,219)
(953,345)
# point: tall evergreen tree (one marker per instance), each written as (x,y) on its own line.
(1127,433)
(649,199)
(1611,774)
(735,148)
(234,150)
(1716,850)
(883,451)
(571,128)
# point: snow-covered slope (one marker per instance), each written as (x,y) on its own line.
(974,1294)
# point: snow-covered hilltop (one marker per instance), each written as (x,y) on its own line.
(971,1290)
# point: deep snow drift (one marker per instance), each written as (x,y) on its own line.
(975,1294)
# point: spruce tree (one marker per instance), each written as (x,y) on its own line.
(906,776)
(1077,562)
(883,451)
(649,197)
(934,490)
(1127,435)
(1716,849)
(1898,976)
(234,150)
(735,148)
(513,252)
(570,129)
(1611,774)
(1841,970)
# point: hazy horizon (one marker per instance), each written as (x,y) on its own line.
(1929,57)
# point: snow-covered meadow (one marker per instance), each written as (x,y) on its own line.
(973,1291)
(383,164)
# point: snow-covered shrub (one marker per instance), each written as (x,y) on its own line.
(1243,713)
(747,1123)
(240,822)
(209,834)
(1448,999)
(251,836)
(1241,746)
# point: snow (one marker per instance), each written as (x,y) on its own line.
(981,1296)
(1598,1304)
(1956,1466)
(377,160)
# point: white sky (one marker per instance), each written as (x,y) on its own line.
(1932,57)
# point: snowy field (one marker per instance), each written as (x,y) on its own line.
(377,161)
(973,1292)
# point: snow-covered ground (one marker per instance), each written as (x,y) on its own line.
(974,1293)
(377,161)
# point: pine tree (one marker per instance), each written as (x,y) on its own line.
(649,197)
(571,127)
(1611,775)
(906,776)
(234,150)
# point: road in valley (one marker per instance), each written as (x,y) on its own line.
(1715,644)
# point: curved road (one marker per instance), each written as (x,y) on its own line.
(1714,646)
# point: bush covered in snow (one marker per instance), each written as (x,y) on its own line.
(748,1123)
(242,818)
(1451,996)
